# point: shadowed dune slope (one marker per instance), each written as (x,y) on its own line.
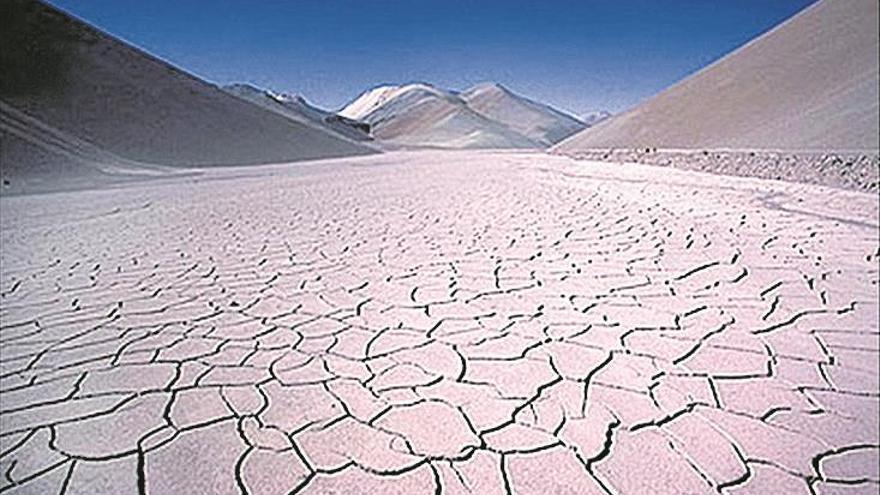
(89,87)
(811,83)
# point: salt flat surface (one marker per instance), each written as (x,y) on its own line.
(471,322)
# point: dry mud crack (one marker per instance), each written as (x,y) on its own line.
(434,322)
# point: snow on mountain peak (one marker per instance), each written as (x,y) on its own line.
(378,97)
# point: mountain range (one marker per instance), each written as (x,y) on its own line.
(485,116)
(77,104)
(296,107)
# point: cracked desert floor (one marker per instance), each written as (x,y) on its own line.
(455,322)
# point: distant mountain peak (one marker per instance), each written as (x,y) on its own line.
(593,118)
(537,121)
(485,115)
(489,86)
(297,108)
(375,99)
(242,87)
(291,98)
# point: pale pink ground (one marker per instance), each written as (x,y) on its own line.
(470,322)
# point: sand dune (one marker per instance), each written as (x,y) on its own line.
(95,89)
(809,84)
(443,321)
(36,157)
(537,121)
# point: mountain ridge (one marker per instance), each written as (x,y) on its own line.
(297,108)
(485,115)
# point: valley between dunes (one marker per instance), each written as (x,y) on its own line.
(227,290)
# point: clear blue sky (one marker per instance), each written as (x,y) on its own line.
(577,55)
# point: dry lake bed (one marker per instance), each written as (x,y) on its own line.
(455,322)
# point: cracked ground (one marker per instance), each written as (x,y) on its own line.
(426,322)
